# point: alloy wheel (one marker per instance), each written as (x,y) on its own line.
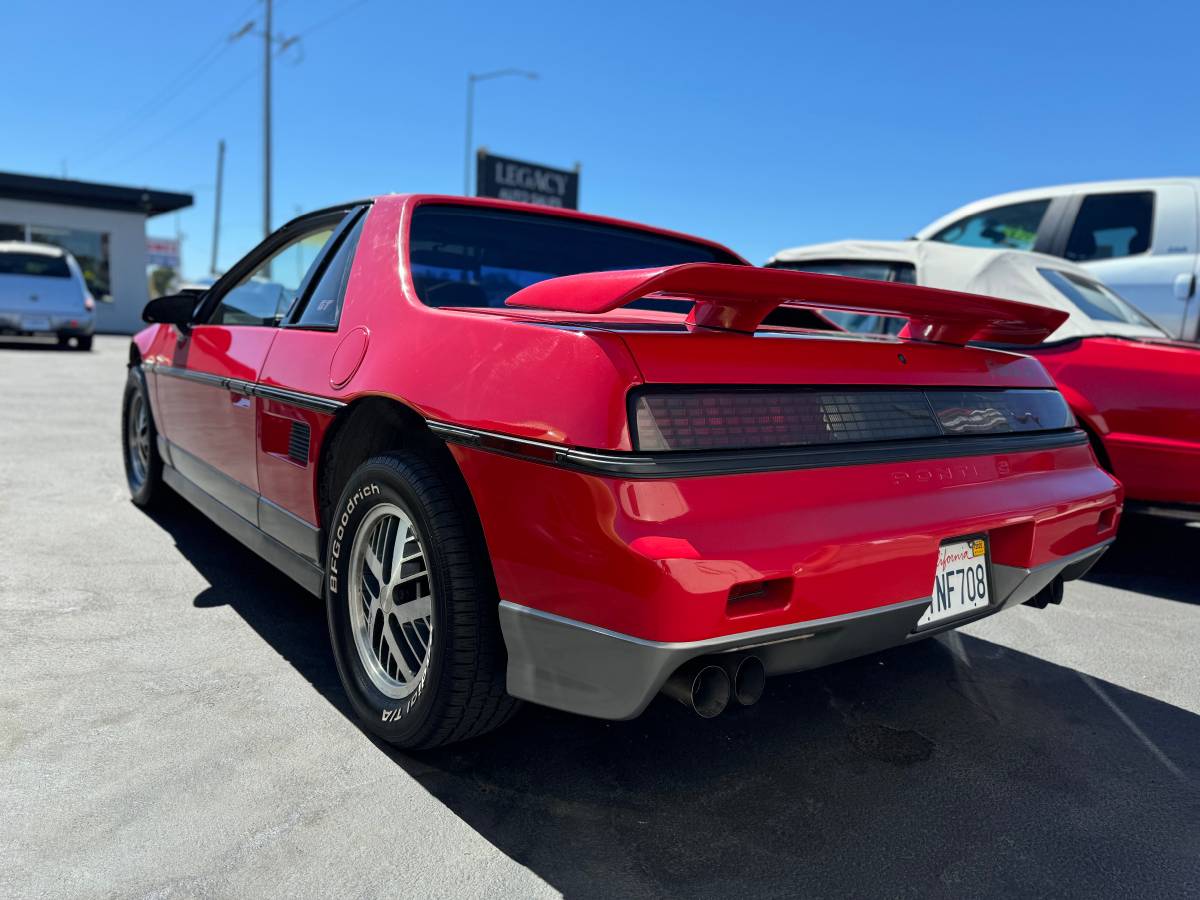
(137,435)
(391,601)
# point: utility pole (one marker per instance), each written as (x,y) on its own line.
(269,38)
(267,122)
(179,249)
(212,269)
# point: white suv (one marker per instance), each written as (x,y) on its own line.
(42,292)
(1139,237)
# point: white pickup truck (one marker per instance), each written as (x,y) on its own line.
(1139,237)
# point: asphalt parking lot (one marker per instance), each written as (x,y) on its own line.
(171,725)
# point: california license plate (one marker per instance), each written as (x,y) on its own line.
(35,323)
(960,581)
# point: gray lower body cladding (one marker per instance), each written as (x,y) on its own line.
(580,668)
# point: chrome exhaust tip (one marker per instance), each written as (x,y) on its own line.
(748,677)
(701,686)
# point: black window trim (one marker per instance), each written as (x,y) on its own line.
(317,271)
(268,245)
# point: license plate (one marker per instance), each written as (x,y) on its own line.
(35,323)
(960,581)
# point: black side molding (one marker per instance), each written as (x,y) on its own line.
(314,402)
(690,465)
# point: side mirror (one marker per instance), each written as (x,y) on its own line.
(172,309)
(1185,286)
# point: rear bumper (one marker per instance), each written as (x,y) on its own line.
(66,325)
(652,570)
(581,668)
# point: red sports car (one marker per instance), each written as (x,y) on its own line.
(533,454)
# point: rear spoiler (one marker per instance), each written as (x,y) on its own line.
(738,298)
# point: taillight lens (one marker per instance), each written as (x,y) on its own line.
(756,419)
(89,302)
(997,412)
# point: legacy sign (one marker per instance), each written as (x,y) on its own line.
(513,179)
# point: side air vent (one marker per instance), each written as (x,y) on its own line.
(298,443)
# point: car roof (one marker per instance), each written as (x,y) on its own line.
(511,205)
(27,247)
(1057,190)
(1008,274)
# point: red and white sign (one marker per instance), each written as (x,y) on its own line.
(162,252)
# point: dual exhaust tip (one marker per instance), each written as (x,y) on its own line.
(706,685)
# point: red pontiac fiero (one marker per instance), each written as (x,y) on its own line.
(533,454)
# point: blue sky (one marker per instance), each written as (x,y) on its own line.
(760,125)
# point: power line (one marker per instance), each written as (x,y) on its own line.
(176,86)
(331,18)
(187,123)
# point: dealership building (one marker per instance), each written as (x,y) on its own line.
(104,228)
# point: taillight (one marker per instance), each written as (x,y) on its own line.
(997,412)
(736,419)
(88,302)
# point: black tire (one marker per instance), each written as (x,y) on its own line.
(461,693)
(149,488)
(83,342)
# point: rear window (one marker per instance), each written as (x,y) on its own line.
(1095,300)
(36,264)
(462,256)
(872,270)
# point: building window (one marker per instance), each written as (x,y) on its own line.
(90,249)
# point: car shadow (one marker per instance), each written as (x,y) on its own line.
(30,344)
(953,767)
(1152,555)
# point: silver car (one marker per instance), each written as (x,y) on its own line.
(1139,237)
(42,292)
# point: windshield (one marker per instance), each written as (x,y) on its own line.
(463,256)
(1096,301)
(38,264)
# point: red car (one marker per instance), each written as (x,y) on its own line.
(533,454)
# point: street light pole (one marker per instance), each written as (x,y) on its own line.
(267,122)
(212,269)
(471,79)
(470,123)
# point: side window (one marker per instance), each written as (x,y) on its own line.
(265,296)
(1112,225)
(1014,227)
(324,306)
